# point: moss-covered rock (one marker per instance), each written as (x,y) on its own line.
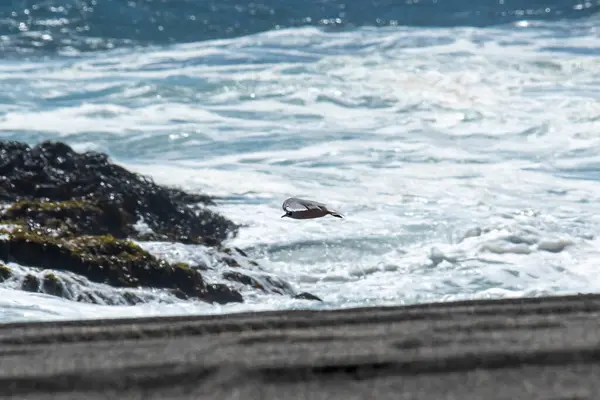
(73,217)
(114,198)
(52,285)
(5,272)
(105,259)
(76,211)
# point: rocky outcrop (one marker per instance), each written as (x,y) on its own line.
(53,171)
(77,212)
(104,259)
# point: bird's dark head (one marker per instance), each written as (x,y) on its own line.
(287,214)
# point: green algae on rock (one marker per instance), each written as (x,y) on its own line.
(72,217)
(75,211)
(5,272)
(54,171)
(105,259)
(52,285)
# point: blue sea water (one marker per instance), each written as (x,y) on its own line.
(460,139)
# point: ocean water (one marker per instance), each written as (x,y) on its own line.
(461,142)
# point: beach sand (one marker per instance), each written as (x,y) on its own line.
(540,348)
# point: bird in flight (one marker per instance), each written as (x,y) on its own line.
(305,209)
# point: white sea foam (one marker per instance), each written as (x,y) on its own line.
(465,160)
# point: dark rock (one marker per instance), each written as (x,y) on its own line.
(52,285)
(105,299)
(30,283)
(74,212)
(179,294)
(267,284)
(86,297)
(307,296)
(5,273)
(242,252)
(53,171)
(232,262)
(104,259)
(73,217)
(220,293)
(132,298)
(243,279)
(215,293)
(200,266)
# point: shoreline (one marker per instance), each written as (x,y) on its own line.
(82,228)
(541,347)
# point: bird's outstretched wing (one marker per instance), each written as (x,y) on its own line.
(296,204)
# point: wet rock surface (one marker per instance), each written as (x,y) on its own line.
(52,285)
(77,213)
(265,283)
(104,259)
(5,272)
(307,296)
(54,171)
(72,217)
